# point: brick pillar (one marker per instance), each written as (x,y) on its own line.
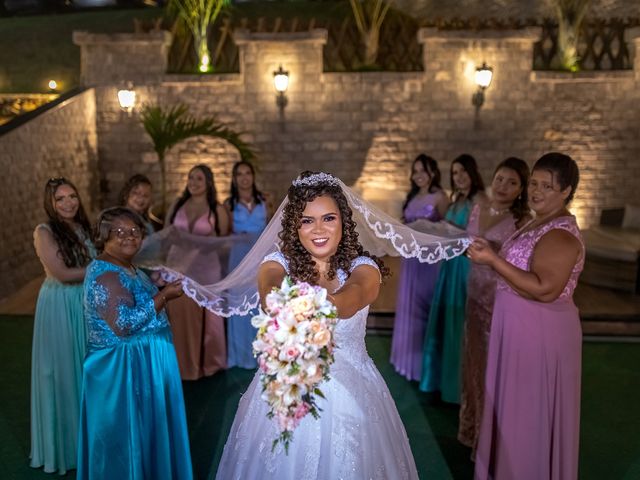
(450,59)
(632,37)
(115,59)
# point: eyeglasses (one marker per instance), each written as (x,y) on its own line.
(123,233)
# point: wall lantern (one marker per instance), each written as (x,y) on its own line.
(281,83)
(53,86)
(484,75)
(127,99)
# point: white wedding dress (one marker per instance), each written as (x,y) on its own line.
(359,434)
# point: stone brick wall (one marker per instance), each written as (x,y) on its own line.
(60,142)
(367,127)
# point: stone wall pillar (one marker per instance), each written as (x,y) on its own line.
(632,37)
(116,59)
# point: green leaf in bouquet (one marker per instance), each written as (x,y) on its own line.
(318,392)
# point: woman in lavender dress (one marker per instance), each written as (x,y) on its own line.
(495,221)
(426,200)
(531,417)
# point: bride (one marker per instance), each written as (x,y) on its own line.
(359,434)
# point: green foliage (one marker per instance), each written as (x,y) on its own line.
(170,126)
(199,15)
(369,15)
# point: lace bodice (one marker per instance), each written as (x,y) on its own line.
(518,250)
(119,304)
(349,332)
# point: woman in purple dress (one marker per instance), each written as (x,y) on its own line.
(495,221)
(425,200)
(531,418)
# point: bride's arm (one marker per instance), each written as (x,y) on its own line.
(360,290)
(270,275)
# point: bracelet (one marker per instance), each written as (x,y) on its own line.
(164,301)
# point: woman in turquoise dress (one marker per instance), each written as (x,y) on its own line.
(442,355)
(64,247)
(248,209)
(132,422)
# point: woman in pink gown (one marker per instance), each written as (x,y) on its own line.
(531,418)
(198,334)
(496,221)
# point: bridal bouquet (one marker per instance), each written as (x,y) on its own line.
(294,347)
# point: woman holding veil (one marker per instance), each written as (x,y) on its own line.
(322,234)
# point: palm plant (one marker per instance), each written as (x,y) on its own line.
(570,14)
(199,15)
(369,15)
(169,126)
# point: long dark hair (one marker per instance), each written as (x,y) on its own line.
(133,182)
(301,265)
(73,251)
(520,206)
(431,167)
(234,197)
(563,168)
(212,196)
(471,167)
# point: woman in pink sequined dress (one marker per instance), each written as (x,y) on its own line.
(495,221)
(531,418)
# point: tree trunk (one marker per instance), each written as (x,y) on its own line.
(371,44)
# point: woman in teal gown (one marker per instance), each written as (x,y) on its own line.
(64,247)
(442,355)
(248,209)
(132,420)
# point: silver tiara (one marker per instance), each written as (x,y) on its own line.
(316,179)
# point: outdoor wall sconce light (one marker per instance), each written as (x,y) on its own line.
(484,75)
(281,83)
(127,99)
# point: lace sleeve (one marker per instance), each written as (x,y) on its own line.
(279,258)
(365,261)
(117,305)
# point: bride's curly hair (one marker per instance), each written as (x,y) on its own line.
(301,265)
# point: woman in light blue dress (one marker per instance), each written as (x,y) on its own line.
(248,209)
(132,422)
(442,359)
(64,247)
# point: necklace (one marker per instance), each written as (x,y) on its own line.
(493,212)
(248,204)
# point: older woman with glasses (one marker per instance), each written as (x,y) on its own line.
(64,247)
(132,422)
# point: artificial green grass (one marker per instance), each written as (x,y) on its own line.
(610,437)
